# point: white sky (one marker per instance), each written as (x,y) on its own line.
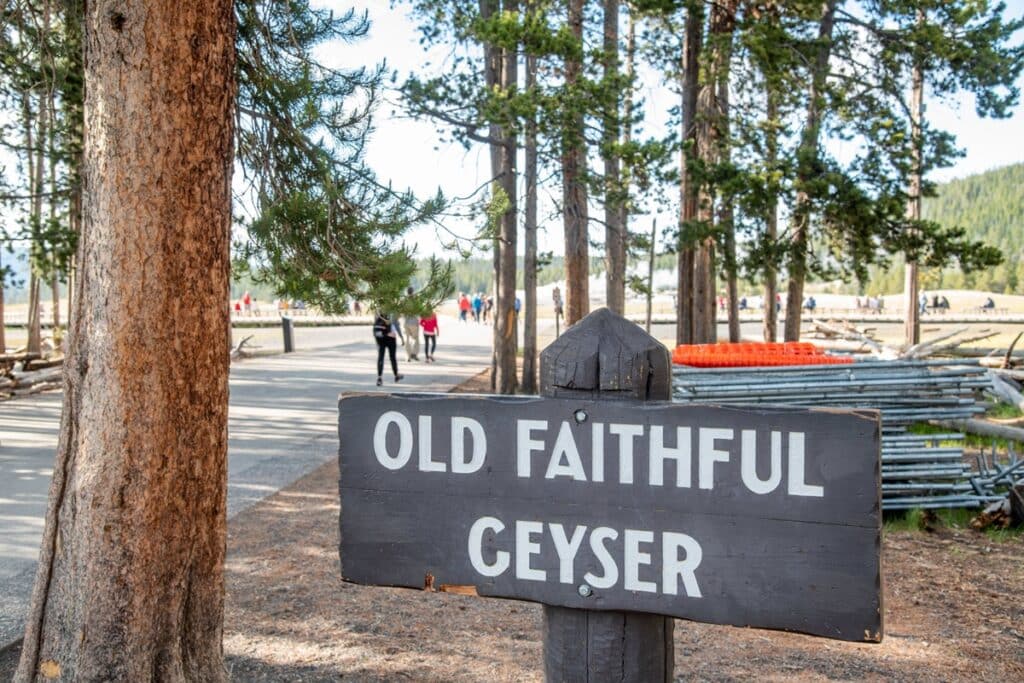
(408,153)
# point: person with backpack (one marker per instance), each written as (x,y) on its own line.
(386,333)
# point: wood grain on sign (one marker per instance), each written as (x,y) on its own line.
(779,508)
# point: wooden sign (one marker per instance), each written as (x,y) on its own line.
(751,517)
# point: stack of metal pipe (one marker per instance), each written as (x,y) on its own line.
(918,470)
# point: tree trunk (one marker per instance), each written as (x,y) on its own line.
(724,28)
(650,274)
(574,183)
(35,174)
(35,332)
(771,220)
(529,385)
(807,165)
(492,78)
(687,184)
(615,235)
(54,267)
(130,579)
(3,279)
(55,300)
(504,308)
(710,129)
(725,219)
(910,290)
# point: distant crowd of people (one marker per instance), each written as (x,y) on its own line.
(247,305)
(480,308)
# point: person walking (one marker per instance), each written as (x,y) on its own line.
(478,303)
(489,308)
(411,326)
(464,306)
(386,334)
(430,333)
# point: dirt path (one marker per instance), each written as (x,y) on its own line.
(953,612)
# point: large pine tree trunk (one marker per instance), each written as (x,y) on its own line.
(807,156)
(574,187)
(615,235)
(505,315)
(130,581)
(529,384)
(687,184)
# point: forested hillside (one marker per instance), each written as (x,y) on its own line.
(990,206)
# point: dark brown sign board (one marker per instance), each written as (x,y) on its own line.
(745,516)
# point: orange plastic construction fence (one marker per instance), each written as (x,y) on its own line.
(753,354)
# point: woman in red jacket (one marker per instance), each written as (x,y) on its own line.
(430,332)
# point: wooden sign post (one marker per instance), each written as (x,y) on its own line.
(616,509)
(606,357)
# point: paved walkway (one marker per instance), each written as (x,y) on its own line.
(283,422)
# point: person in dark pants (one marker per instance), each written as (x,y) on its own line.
(386,333)
(430,332)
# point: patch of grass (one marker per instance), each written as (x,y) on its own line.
(974,440)
(913,521)
(1002,411)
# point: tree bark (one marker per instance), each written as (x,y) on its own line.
(3,279)
(492,79)
(771,220)
(130,579)
(725,27)
(710,125)
(35,174)
(54,268)
(35,333)
(687,184)
(912,330)
(574,183)
(807,165)
(529,384)
(650,274)
(725,219)
(615,227)
(504,308)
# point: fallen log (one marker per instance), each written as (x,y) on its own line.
(1006,392)
(35,365)
(36,388)
(239,351)
(922,349)
(853,334)
(23,379)
(982,428)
